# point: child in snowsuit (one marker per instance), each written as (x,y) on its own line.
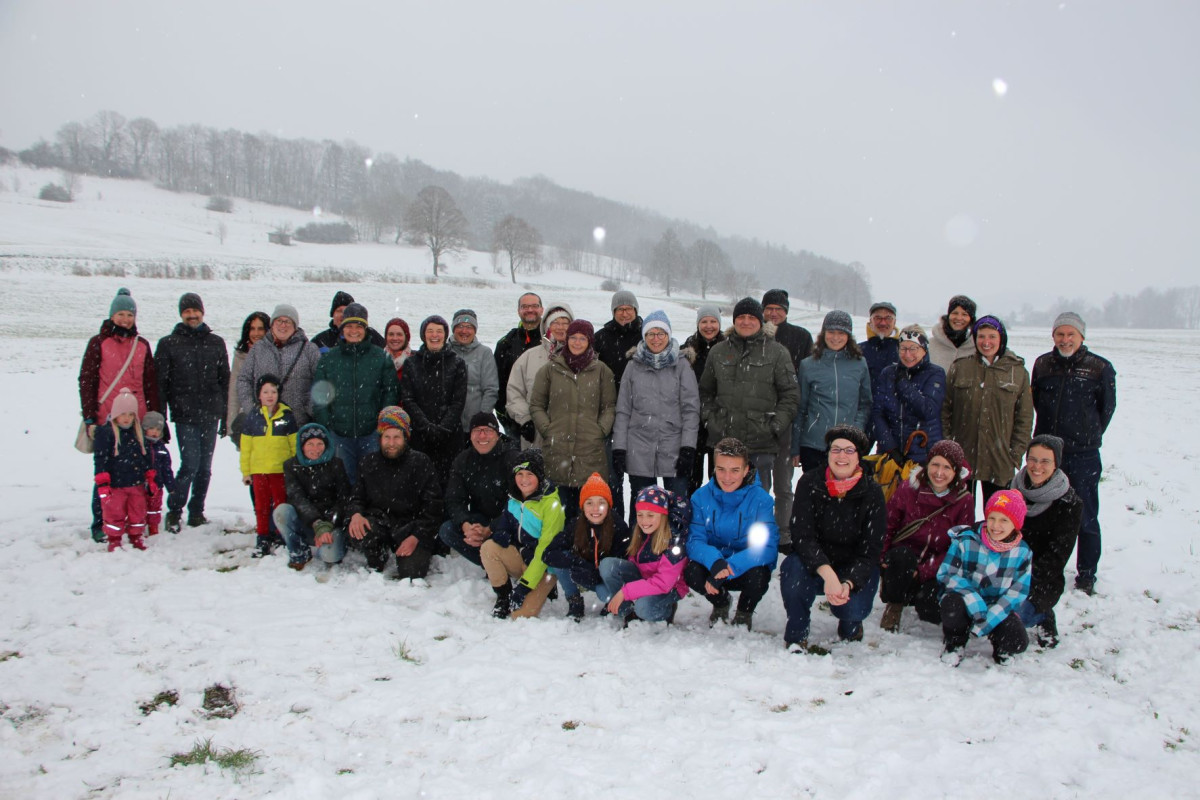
(268,439)
(153,426)
(648,583)
(123,466)
(986,575)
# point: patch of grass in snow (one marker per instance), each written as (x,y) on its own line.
(1174,743)
(220,702)
(167,698)
(1078,663)
(779,709)
(441,637)
(1152,507)
(403,652)
(345,771)
(570,725)
(817,702)
(1146,593)
(226,758)
(7,654)
(230,568)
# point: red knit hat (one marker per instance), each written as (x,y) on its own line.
(595,486)
(1010,503)
(653,498)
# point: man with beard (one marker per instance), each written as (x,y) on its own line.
(524,337)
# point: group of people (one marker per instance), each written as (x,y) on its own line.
(356,440)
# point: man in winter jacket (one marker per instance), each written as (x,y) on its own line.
(748,390)
(799,344)
(397,503)
(477,489)
(483,386)
(433,391)
(525,336)
(193,379)
(615,343)
(1075,395)
(317,493)
(331,337)
(881,349)
(353,382)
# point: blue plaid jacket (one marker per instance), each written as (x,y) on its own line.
(992,584)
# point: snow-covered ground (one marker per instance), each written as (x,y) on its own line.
(352,685)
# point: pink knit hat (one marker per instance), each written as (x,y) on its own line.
(125,403)
(1010,503)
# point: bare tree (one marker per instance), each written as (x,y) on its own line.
(108,130)
(434,221)
(1189,306)
(709,263)
(76,143)
(142,134)
(520,240)
(668,260)
(817,286)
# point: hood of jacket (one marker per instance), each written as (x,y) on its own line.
(320,432)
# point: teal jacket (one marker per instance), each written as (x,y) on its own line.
(352,385)
(833,391)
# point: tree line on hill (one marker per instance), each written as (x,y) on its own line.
(528,224)
(1172,308)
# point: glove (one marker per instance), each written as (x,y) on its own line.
(103,485)
(222,430)
(518,596)
(619,462)
(685,462)
(151,486)
(528,432)
(717,566)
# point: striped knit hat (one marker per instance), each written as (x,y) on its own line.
(394,417)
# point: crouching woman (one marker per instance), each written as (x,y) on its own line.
(648,583)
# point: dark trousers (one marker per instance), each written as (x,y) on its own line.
(569,497)
(379,544)
(987,489)
(1083,470)
(673,484)
(800,588)
(452,537)
(196,445)
(812,458)
(898,583)
(751,585)
(700,475)
(616,485)
(1008,638)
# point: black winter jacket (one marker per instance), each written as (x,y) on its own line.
(317,491)
(613,343)
(433,390)
(477,488)
(585,567)
(1051,536)
(797,340)
(507,351)
(1074,397)
(193,374)
(845,533)
(402,494)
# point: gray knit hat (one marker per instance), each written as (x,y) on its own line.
(624,298)
(1072,319)
(1051,443)
(191,300)
(153,419)
(286,310)
(708,311)
(838,321)
(466,315)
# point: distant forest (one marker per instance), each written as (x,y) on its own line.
(1149,308)
(528,225)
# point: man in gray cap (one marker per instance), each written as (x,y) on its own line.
(614,342)
(1075,395)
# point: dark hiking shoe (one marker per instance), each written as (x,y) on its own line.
(503,601)
(803,648)
(298,562)
(196,520)
(263,548)
(744,618)
(575,607)
(172,524)
(631,618)
(720,612)
(891,617)
(1046,631)
(1085,584)
(855,633)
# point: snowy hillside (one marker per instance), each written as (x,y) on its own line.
(352,685)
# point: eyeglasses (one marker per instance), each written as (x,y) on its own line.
(656,333)
(1040,462)
(842,451)
(910,348)
(529,307)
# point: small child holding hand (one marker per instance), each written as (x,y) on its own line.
(123,463)
(163,477)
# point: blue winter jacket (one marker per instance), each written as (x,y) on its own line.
(126,462)
(722,522)
(993,585)
(908,400)
(164,474)
(833,391)
(880,353)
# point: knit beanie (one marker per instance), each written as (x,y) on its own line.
(656,319)
(153,419)
(263,381)
(465,315)
(356,313)
(655,499)
(1010,503)
(595,486)
(916,334)
(554,312)
(584,327)
(884,305)
(708,311)
(394,417)
(838,321)
(286,310)
(624,298)
(1051,443)
(531,461)
(1065,318)
(122,302)
(191,300)
(851,434)
(434,319)
(748,305)
(484,419)
(951,451)
(963,302)
(397,322)
(776,297)
(340,299)
(125,403)
(989,321)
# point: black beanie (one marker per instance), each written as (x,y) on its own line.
(340,299)
(776,297)
(748,305)
(262,381)
(191,300)
(851,434)
(965,303)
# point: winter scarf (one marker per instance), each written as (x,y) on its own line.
(998,547)
(838,488)
(957,337)
(1038,499)
(552,345)
(578,363)
(667,358)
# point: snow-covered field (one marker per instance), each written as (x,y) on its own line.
(352,685)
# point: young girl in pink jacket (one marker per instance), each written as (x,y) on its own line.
(649,582)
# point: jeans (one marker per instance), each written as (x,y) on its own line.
(800,588)
(452,537)
(196,445)
(298,540)
(1029,615)
(351,448)
(569,587)
(812,458)
(677,484)
(1083,470)
(616,572)
(764,465)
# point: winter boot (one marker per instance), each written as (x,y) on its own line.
(114,543)
(952,657)
(850,631)
(299,561)
(263,547)
(137,542)
(152,529)
(503,601)
(1046,631)
(575,607)
(196,519)
(720,608)
(744,618)
(1085,584)
(173,518)
(891,617)
(631,617)
(803,648)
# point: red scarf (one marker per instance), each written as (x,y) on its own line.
(999,547)
(839,488)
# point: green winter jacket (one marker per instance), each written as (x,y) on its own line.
(749,391)
(352,384)
(989,411)
(574,414)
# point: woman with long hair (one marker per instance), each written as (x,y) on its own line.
(835,389)
(254,328)
(950,339)
(648,583)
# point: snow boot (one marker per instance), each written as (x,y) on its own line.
(744,618)
(1046,631)
(891,617)
(720,609)
(173,518)
(137,542)
(503,605)
(850,631)
(196,519)
(1085,584)
(263,547)
(114,543)
(299,561)
(575,607)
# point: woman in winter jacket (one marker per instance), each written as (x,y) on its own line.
(317,493)
(951,337)
(1052,521)
(591,536)
(695,350)
(527,366)
(908,398)
(658,412)
(989,408)
(533,519)
(920,514)
(253,329)
(573,405)
(101,376)
(284,351)
(838,523)
(986,578)
(396,338)
(835,389)
(483,385)
(648,583)
(124,473)
(433,391)
(733,540)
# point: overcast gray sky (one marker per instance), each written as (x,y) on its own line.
(862,131)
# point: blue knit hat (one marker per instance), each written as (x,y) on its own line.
(652,498)
(656,319)
(122,302)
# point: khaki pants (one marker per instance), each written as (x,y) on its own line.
(502,564)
